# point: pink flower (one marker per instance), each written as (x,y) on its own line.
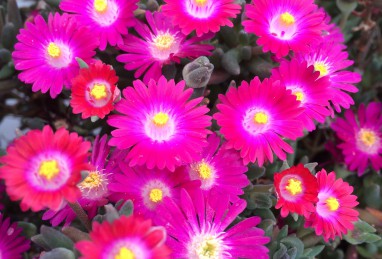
(12,243)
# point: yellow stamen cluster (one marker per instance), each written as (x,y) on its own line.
(332,203)
(100,5)
(48,169)
(321,67)
(160,119)
(164,42)
(204,170)
(200,3)
(208,248)
(54,50)
(367,137)
(260,118)
(125,253)
(287,19)
(299,96)
(98,91)
(156,195)
(294,186)
(93,180)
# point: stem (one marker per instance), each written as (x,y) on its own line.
(81,214)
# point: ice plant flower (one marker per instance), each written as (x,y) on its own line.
(46,52)
(42,168)
(330,60)
(197,227)
(12,243)
(254,117)
(361,137)
(284,25)
(160,126)
(219,170)
(125,238)
(335,213)
(203,16)
(296,190)
(94,90)
(108,19)
(148,188)
(311,91)
(160,43)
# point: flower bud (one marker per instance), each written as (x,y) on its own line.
(198,72)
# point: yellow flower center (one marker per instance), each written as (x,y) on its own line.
(49,169)
(287,19)
(100,5)
(160,119)
(204,170)
(332,204)
(125,253)
(93,180)
(299,96)
(321,67)
(164,42)
(54,50)
(260,118)
(156,195)
(200,3)
(98,91)
(208,248)
(367,137)
(294,186)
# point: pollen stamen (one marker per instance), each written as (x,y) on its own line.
(260,118)
(48,169)
(160,119)
(98,91)
(204,171)
(322,68)
(367,137)
(294,186)
(287,19)
(125,253)
(164,41)
(100,5)
(332,203)
(54,50)
(156,195)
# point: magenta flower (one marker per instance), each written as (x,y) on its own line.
(46,52)
(12,243)
(220,170)
(330,60)
(197,227)
(311,91)
(160,43)
(108,19)
(203,16)
(361,137)
(160,126)
(255,117)
(284,25)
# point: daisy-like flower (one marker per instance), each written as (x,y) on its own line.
(42,168)
(361,137)
(311,91)
(254,117)
(160,43)
(127,238)
(108,19)
(94,91)
(335,213)
(296,190)
(203,16)
(219,170)
(46,52)
(198,228)
(12,243)
(330,60)
(284,25)
(159,126)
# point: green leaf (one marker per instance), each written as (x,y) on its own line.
(29,229)
(262,200)
(281,253)
(292,241)
(255,172)
(267,226)
(283,233)
(265,214)
(127,208)
(313,251)
(292,252)
(82,63)
(311,166)
(55,238)
(61,253)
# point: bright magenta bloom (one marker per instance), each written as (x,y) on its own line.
(42,168)
(198,228)
(159,125)
(296,190)
(108,19)
(126,237)
(335,213)
(311,91)
(254,117)
(46,52)
(12,243)
(160,43)
(361,137)
(284,25)
(94,90)
(330,60)
(202,16)
(220,170)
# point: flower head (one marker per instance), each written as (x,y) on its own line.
(203,16)
(198,228)
(311,91)
(94,90)
(47,60)
(159,125)
(296,190)
(108,19)
(284,25)
(335,213)
(361,137)
(126,237)
(12,243)
(254,117)
(43,168)
(160,43)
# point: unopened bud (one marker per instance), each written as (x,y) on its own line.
(198,72)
